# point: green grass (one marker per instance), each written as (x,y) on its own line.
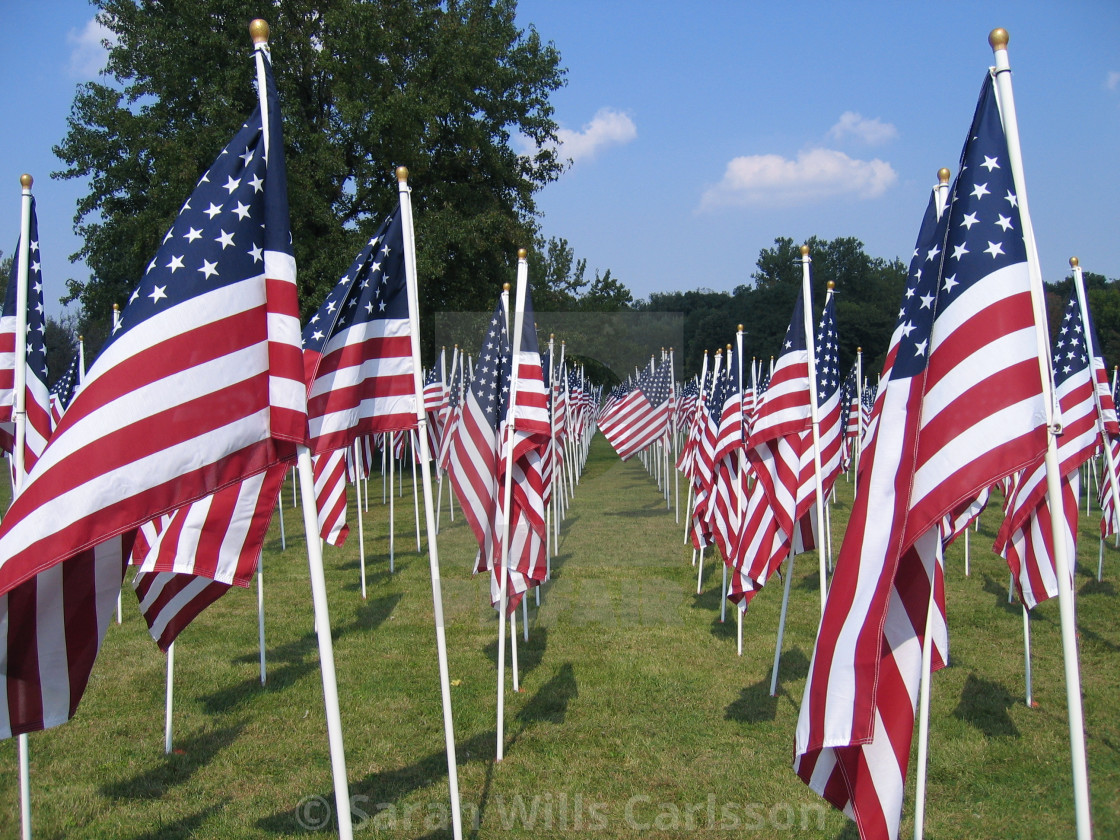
(636,717)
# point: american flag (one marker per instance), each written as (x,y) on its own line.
(477,465)
(199,386)
(777,442)
(39,425)
(357,355)
(642,416)
(357,348)
(828,401)
(433,384)
(1025,538)
(961,407)
(784,407)
(62,392)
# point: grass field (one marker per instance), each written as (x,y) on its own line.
(636,717)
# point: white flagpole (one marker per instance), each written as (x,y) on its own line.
(740,494)
(361,524)
(941,197)
(392,512)
(169,699)
(810,344)
(23,259)
(1079,285)
(858,445)
(260,608)
(822,536)
(688,507)
(429,519)
(552,388)
(511,425)
(415,486)
(673,437)
(259,31)
(923,715)
(998,40)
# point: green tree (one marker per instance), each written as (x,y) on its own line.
(442,87)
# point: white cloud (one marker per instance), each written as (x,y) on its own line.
(607,128)
(1113,81)
(816,174)
(872,132)
(88,54)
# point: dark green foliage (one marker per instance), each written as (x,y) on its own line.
(440,87)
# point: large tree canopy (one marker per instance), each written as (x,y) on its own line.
(447,89)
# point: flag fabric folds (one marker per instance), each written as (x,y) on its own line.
(358,363)
(641,416)
(37,397)
(960,407)
(477,462)
(1025,538)
(189,560)
(199,386)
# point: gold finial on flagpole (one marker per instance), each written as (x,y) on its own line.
(552,336)
(943,175)
(402,174)
(1074,262)
(859,349)
(804,250)
(998,39)
(831,286)
(258,31)
(740,327)
(522,253)
(26,181)
(505,287)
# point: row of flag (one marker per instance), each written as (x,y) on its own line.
(972,397)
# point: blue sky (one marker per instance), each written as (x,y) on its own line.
(700,132)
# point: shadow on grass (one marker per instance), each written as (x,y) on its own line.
(984,705)
(550,703)
(529,654)
(388,787)
(755,705)
(642,513)
(188,756)
(1096,587)
(182,829)
(994,587)
(297,658)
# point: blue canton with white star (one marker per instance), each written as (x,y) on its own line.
(1070,355)
(36,321)
(828,353)
(490,384)
(372,288)
(224,228)
(980,233)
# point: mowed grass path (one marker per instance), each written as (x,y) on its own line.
(636,717)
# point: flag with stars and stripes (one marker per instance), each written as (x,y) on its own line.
(199,386)
(1025,538)
(961,406)
(642,415)
(358,362)
(62,392)
(39,425)
(477,467)
(358,351)
(828,399)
